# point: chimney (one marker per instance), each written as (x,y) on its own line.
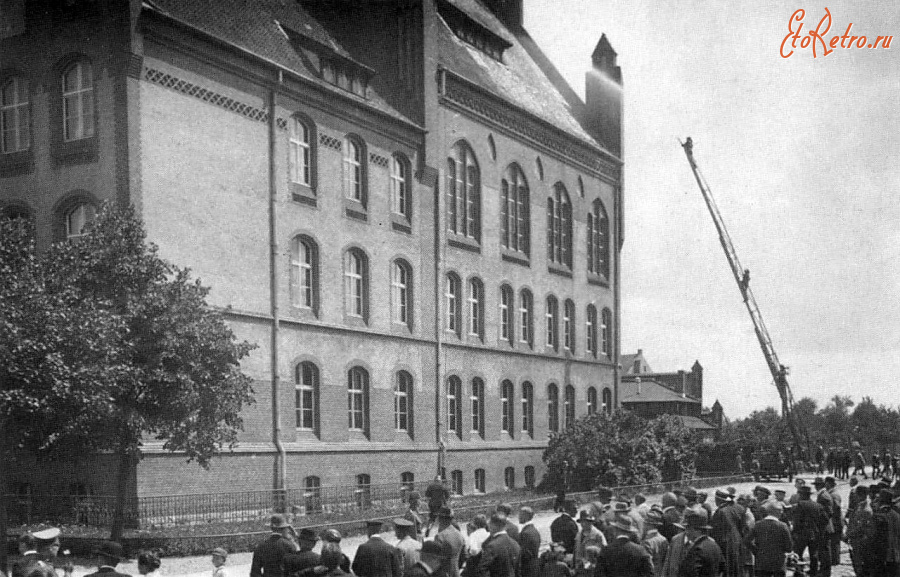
(603,98)
(683,383)
(507,11)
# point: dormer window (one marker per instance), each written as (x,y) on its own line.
(472,32)
(345,75)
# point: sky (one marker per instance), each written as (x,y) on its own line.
(803,158)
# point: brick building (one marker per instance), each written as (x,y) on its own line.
(401,202)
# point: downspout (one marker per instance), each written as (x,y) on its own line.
(439,304)
(278,481)
(616,287)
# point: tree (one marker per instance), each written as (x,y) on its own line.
(172,372)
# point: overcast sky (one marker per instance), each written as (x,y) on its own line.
(803,158)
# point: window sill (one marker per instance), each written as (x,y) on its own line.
(400,223)
(515,257)
(307,435)
(597,280)
(401,329)
(357,435)
(355,321)
(464,243)
(559,270)
(17,163)
(82,151)
(303,313)
(355,210)
(303,194)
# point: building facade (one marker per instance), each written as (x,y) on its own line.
(401,202)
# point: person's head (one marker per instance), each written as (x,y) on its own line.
(690,495)
(761,493)
(413,499)
(654,519)
(804,492)
(27,542)
(148,562)
(779,495)
(722,497)
(279,524)
(47,542)
(819,483)
(669,499)
(682,503)
(604,495)
(571,508)
(623,526)
(219,556)
(307,539)
(798,482)
(109,554)
(373,528)
(830,483)
(701,496)
(479,521)
(505,508)
(586,520)
(526,514)
(445,518)
(496,523)
(639,499)
(772,509)
(331,556)
(330,536)
(854,481)
(696,523)
(403,528)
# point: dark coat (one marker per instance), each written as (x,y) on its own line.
(23,566)
(703,559)
(809,521)
(499,557)
(624,558)
(885,545)
(299,563)
(729,526)
(564,530)
(769,540)
(376,558)
(268,557)
(530,544)
(420,570)
(512,530)
(107,572)
(454,544)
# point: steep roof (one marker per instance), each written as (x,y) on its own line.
(695,423)
(651,392)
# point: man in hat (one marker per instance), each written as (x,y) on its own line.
(729,526)
(690,497)
(48,545)
(702,497)
(564,529)
(109,555)
(761,495)
(770,540)
(505,509)
(671,516)
(588,535)
(693,553)
(412,513)
(375,557)
(798,482)
(500,555)
(653,542)
(407,543)
(333,536)
(810,521)
(453,542)
(429,564)
(837,520)
(438,494)
(530,544)
(623,557)
(268,557)
(300,563)
(884,548)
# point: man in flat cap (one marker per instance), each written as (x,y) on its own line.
(453,542)
(729,526)
(302,562)
(268,557)
(375,557)
(109,554)
(407,543)
(588,536)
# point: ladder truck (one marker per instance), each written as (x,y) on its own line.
(742,276)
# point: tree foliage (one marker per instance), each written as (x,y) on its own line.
(618,449)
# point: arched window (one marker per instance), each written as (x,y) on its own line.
(78,101)
(301,150)
(408,481)
(509,478)
(306,390)
(506,406)
(477,404)
(607,401)
(529,477)
(15,126)
(539,167)
(569,325)
(598,240)
(570,405)
(492,147)
(312,494)
(356,284)
(355,170)
(463,193)
(606,333)
(526,318)
(580,186)
(78,219)
(552,316)
(401,197)
(403,402)
(358,399)
(456,482)
(479,481)
(507,306)
(454,306)
(363,491)
(401,293)
(515,220)
(476,308)
(454,410)
(552,408)
(528,409)
(559,227)
(305,273)
(591,400)
(590,331)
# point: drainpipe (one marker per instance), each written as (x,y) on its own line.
(439,229)
(278,481)
(616,288)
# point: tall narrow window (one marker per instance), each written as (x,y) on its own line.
(509,478)
(354,170)
(607,401)
(356,284)
(403,402)
(401,293)
(78,220)
(477,404)
(507,328)
(304,273)
(78,101)
(300,158)
(529,477)
(552,317)
(559,227)
(454,411)
(363,491)
(569,325)
(476,308)
(591,400)
(15,126)
(312,494)
(463,193)
(456,482)
(553,408)
(479,481)
(590,331)
(506,405)
(606,333)
(401,201)
(515,220)
(454,315)
(408,481)
(528,409)
(358,399)
(570,405)
(598,240)
(526,318)
(306,403)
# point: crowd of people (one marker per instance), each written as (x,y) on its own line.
(763,534)
(838,461)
